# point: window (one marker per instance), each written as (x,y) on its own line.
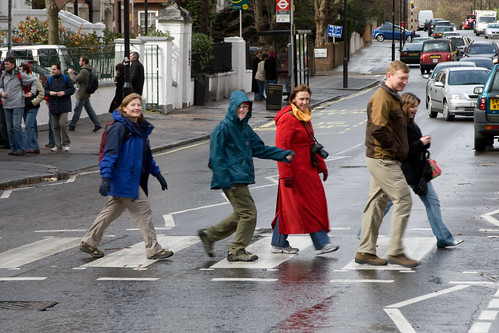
(151,20)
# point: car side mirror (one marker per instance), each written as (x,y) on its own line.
(439,84)
(478,90)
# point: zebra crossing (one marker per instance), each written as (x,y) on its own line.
(133,257)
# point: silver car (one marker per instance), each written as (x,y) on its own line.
(452,91)
(492,30)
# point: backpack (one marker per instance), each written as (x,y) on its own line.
(104,137)
(63,75)
(19,77)
(93,82)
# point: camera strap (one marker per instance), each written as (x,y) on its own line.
(308,129)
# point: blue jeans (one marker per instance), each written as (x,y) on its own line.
(14,119)
(51,132)
(434,214)
(319,238)
(80,104)
(261,89)
(31,129)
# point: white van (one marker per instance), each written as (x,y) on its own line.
(423,16)
(44,55)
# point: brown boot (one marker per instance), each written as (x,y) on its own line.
(402,260)
(370,259)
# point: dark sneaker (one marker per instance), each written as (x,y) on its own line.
(243,256)
(402,260)
(208,245)
(48,145)
(161,255)
(96,128)
(93,251)
(71,128)
(369,259)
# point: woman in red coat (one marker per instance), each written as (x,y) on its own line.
(301,200)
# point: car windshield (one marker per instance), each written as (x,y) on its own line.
(436,47)
(481,48)
(457,42)
(459,78)
(495,26)
(487,19)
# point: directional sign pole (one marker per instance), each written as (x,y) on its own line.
(241,23)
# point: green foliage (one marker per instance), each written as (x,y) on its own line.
(202,52)
(152,32)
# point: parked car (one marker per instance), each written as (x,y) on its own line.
(469,22)
(459,44)
(486,113)
(440,29)
(410,53)
(44,55)
(479,61)
(438,68)
(435,51)
(482,49)
(385,32)
(492,30)
(452,91)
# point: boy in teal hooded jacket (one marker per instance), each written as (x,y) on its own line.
(233,144)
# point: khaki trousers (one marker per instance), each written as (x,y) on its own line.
(141,212)
(242,221)
(387,182)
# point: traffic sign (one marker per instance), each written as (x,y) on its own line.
(240,4)
(334,30)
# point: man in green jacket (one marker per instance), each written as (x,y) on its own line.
(386,147)
(233,144)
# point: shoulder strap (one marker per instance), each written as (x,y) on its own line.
(307,128)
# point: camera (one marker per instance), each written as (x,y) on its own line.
(319,149)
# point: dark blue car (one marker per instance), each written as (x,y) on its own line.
(486,114)
(385,32)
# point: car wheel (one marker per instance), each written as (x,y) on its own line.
(447,115)
(480,144)
(431,113)
(380,38)
(490,141)
(486,37)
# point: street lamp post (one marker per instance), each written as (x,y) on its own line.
(127,87)
(345,48)
(393,30)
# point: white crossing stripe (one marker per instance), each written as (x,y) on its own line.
(23,278)
(135,256)
(415,248)
(243,280)
(125,279)
(267,259)
(28,253)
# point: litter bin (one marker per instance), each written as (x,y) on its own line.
(200,88)
(274,97)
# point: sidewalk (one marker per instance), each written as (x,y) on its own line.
(178,128)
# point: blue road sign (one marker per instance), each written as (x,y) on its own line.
(334,30)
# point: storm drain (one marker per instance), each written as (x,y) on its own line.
(29,305)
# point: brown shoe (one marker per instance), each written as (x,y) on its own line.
(402,260)
(370,259)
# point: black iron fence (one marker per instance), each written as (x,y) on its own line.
(221,62)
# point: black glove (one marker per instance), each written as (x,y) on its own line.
(105,186)
(162,181)
(288,182)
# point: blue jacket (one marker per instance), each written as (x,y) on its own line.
(233,143)
(127,159)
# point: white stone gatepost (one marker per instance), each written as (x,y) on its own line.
(178,23)
(241,81)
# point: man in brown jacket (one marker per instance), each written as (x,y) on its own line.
(386,147)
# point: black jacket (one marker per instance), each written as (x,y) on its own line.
(413,164)
(58,105)
(137,77)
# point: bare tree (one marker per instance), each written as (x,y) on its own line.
(52,21)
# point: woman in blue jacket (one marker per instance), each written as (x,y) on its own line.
(233,144)
(125,169)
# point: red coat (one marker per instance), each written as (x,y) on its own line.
(301,209)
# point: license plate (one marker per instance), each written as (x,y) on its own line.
(414,54)
(494,103)
(436,56)
(435,60)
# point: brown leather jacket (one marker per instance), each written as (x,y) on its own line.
(386,129)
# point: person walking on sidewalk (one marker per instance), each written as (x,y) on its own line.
(270,71)
(136,73)
(233,144)
(32,104)
(12,85)
(119,81)
(59,89)
(260,79)
(386,147)
(301,201)
(125,169)
(82,80)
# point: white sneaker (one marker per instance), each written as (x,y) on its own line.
(55,149)
(326,249)
(288,250)
(65,148)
